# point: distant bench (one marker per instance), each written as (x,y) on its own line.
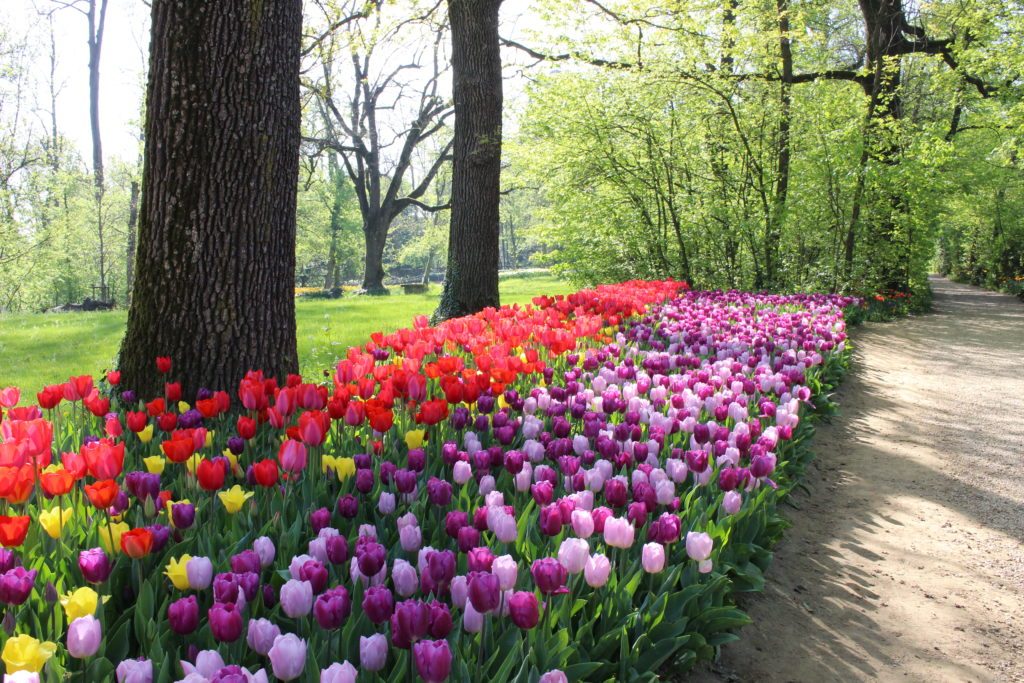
(415,288)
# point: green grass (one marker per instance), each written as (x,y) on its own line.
(40,349)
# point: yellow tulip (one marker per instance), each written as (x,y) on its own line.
(115,529)
(414,438)
(175,571)
(25,653)
(345,467)
(146,435)
(209,439)
(192,463)
(328,462)
(80,603)
(233,460)
(54,519)
(183,407)
(502,403)
(234,498)
(155,464)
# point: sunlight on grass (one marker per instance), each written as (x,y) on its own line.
(40,349)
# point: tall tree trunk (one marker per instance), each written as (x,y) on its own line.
(133,222)
(331,280)
(471,280)
(773,235)
(215,273)
(375,231)
(97,21)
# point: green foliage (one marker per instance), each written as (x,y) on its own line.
(673,165)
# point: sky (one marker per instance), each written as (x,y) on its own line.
(125,44)
(122,64)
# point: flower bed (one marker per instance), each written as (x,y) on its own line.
(568,490)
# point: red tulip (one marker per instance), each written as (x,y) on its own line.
(156,407)
(114,378)
(77,388)
(102,493)
(172,390)
(265,472)
(179,447)
(432,412)
(57,483)
(104,458)
(163,364)
(16,483)
(50,397)
(167,422)
(13,530)
(137,543)
(210,474)
(246,427)
(137,420)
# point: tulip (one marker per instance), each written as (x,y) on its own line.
(409,623)
(549,575)
(554,676)
(183,615)
(582,523)
(199,571)
(618,532)
(287,657)
(296,598)
(405,578)
(698,546)
(13,530)
(16,585)
(24,653)
(472,620)
(261,635)
(732,502)
(264,547)
(53,520)
(332,608)
(373,652)
(433,660)
(524,609)
(339,673)
(292,456)
(183,515)
(234,498)
(573,554)
(94,565)
(225,622)
(378,604)
(80,603)
(653,558)
(135,671)
(137,543)
(484,591)
(597,570)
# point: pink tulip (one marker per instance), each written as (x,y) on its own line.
(653,558)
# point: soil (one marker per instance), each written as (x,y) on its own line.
(905,560)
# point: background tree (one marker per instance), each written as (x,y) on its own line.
(392,107)
(471,276)
(215,268)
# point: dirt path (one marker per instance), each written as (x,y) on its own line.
(905,561)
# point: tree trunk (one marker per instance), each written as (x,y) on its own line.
(471,280)
(133,221)
(375,230)
(215,270)
(331,280)
(773,235)
(96,27)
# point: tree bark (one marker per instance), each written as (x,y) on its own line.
(331,280)
(471,280)
(375,231)
(97,22)
(215,268)
(133,223)
(773,235)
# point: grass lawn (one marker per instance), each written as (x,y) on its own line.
(46,348)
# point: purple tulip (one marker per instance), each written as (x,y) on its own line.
(550,576)
(440,620)
(84,637)
(439,492)
(484,591)
(225,622)
(183,615)
(246,561)
(314,572)
(287,657)
(339,673)
(320,519)
(94,565)
(378,604)
(135,671)
(16,585)
(348,506)
(433,658)
(524,609)
(332,608)
(296,598)
(261,635)
(373,652)
(409,623)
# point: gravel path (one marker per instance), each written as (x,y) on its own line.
(906,559)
